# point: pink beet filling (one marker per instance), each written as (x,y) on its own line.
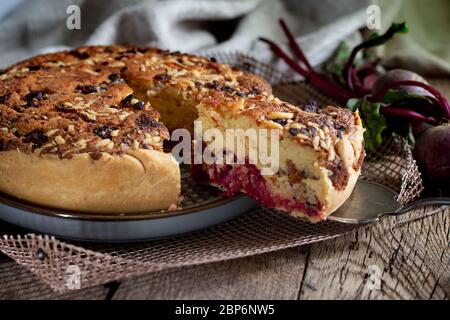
(247,178)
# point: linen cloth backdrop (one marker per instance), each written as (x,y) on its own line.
(29,27)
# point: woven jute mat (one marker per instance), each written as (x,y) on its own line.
(69,265)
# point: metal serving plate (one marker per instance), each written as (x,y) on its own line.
(202,207)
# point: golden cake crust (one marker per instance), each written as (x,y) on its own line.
(83,100)
(141,180)
(74,136)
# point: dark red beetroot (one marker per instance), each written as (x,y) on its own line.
(247,178)
(432,153)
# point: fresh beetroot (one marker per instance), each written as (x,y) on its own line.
(419,127)
(432,153)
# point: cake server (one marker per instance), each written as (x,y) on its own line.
(370,202)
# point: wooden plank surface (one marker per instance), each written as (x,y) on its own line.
(342,268)
(334,269)
(276,275)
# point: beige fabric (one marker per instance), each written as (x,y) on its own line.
(426,48)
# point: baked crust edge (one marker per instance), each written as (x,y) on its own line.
(140,180)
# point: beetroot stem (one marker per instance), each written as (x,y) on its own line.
(442,101)
(294,45)
(349,68)
(408,114)
(315,79)
(280,53)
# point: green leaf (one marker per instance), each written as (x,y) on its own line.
(377,40)
(410,136)
(335,66)
(353,104)
(373,35)
(374,123)
(393,95)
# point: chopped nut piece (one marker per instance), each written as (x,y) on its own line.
(316,141)
(88,61)
(71,128)
(150,93)
(321,134)
(80,144)
(303,137)
(51,132)
(312,124)
(280,115)
(296,126)
(148,139)
(272,125)
(102,143)
(90,116)
(277,101)
(123,115)
(270,98)
(60,140)
(331,154)
(117,64)
(90,71)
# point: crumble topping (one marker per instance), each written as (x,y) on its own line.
(83,101)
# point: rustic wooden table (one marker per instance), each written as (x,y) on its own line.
(366,264)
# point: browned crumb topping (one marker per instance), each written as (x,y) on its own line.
(318,126)
(83,101)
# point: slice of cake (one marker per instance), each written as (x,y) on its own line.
(318,153)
